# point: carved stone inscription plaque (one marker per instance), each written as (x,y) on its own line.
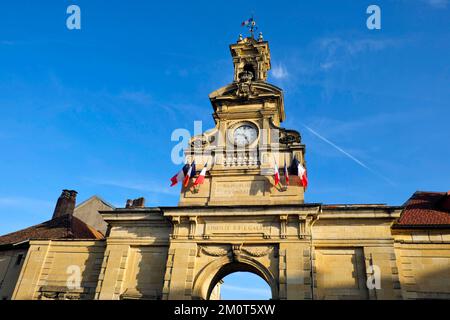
(239,188)
(235,228)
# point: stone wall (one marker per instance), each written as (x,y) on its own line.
(302,252)
(136,254)
(423,259)
(60,270)
(349,248)
(11,262)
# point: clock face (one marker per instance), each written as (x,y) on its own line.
(244,135)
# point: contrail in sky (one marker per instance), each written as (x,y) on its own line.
(347,154)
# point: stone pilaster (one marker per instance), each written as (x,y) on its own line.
(112,272)
(27,284)
(297,270)
(179,276)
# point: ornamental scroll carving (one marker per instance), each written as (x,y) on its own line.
(244,86)
(236,250)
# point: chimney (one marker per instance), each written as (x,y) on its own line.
(65,204)
(445,204)
(136,203)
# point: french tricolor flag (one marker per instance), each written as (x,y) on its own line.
(301,172)
(201,178)
(247,22)
(276,175)
(303,175)
(180,175)
(189,174)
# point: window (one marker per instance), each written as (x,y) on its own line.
(251,69)
(19,259)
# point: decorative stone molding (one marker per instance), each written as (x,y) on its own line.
(244,86)
(304,226)
(214,252)
(176,225)
(236,250)
(266,235)
(192,227)
(257,252)
(60,293)
(241,158)
(283,226)
(289,137)
(301,227)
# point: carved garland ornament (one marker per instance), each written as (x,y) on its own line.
(256,252)
(220,252)
(215,252)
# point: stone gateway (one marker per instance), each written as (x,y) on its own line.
(237,220)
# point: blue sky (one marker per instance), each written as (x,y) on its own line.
(244,286)
(93,109)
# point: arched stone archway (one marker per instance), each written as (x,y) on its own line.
(240,267)
(220,267)
(238,243)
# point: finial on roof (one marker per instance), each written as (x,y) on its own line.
(260,38)
(240,38)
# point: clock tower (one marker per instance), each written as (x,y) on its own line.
(248,140)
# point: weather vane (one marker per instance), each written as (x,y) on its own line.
(251,25)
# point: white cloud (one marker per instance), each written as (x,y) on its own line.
(336,51)
(279,72)
(327,65)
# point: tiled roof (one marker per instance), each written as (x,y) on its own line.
(426,209)
(63,227)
